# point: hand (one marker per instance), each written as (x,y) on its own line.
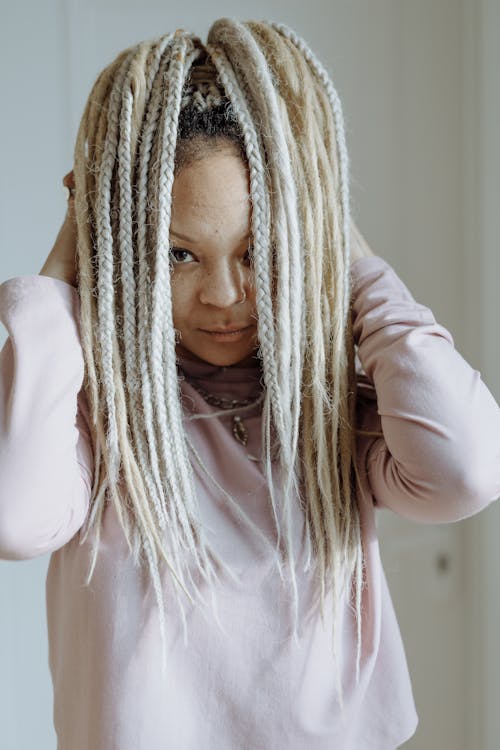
(359,246)
(61,262)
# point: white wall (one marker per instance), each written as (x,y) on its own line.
(407,72)
(481,275)
(33,156)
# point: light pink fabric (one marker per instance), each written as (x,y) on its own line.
(253,688)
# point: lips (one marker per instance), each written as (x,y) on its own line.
(231,329)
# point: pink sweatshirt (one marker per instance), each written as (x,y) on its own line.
(253,688)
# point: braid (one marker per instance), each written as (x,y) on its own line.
(285,321)
(159,106)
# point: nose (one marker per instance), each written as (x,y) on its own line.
(223,286)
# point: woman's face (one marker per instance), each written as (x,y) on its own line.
(212,278)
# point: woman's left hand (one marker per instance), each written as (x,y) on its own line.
(359,246)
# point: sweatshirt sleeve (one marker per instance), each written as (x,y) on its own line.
(439,459)
(45,446)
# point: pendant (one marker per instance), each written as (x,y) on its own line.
(239,430)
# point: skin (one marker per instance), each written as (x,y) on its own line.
(61,261)
(212,277)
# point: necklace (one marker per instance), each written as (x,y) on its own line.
(239,430)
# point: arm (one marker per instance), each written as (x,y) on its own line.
(439,460)
(45,447)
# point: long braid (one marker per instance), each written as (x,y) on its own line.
(154,89)
(317,410)
(147,537)
(263,265)
(162,334)
(157,84)
(301,144)
(288,293)
(105,260)
(106,311)
(340,323)
(259,88)
(164,372)
(126,153)
(87,154)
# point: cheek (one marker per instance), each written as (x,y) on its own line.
(252,298)
(181,297)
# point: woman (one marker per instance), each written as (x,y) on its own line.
(210,192)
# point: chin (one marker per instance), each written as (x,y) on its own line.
(246,358)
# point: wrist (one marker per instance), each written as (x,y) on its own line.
(57,272)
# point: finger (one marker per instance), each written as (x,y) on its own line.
(69,194)
(69,180)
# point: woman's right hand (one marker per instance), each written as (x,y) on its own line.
(61,262)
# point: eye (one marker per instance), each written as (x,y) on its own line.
(173,254)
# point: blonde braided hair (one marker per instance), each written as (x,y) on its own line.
(126,155)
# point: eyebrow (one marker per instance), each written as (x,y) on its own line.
(195,242)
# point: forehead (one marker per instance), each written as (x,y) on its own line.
(213,192)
